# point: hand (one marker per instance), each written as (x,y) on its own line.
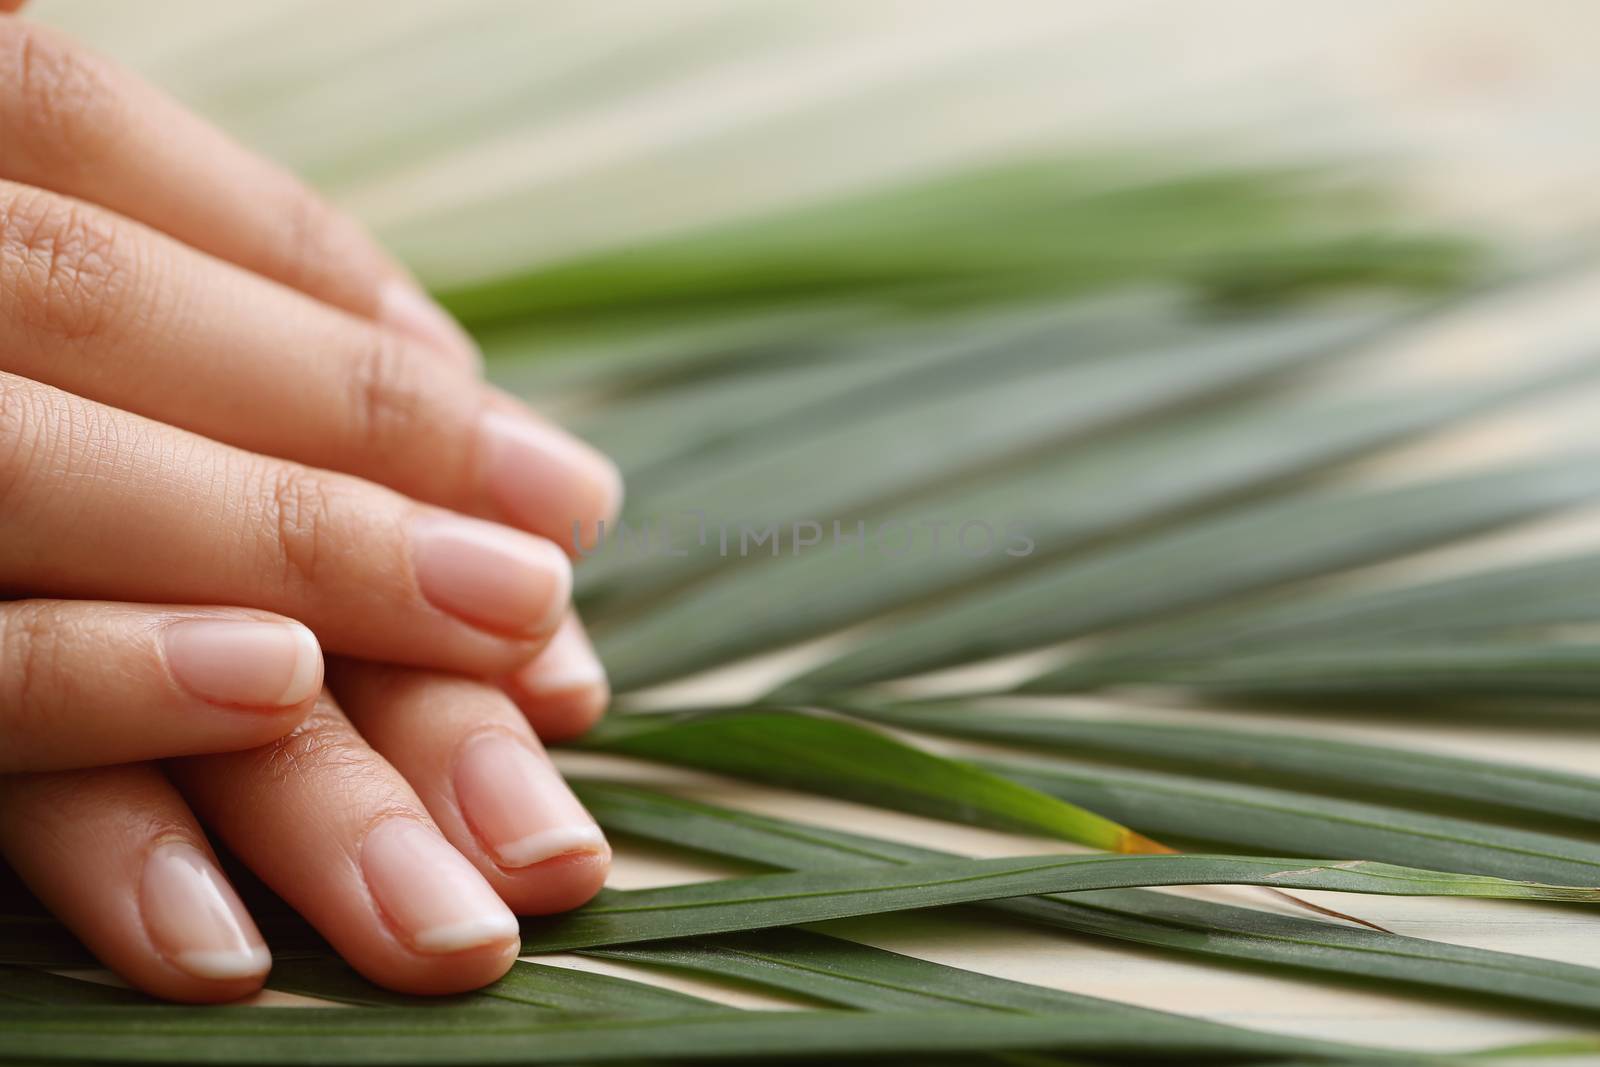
(214,390)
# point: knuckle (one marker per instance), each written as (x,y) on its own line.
(25,447)
(63,266)
(323,752)
(30,651)
(322,745)
(318,248)
(304,248)
(19,438)
(298,504)
(389,402)
(64,110)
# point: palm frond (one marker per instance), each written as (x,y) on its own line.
(1310,764)
(445,1036)
(1293,537)
(841,759)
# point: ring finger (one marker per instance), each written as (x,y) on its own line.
(331,827)
(484,777)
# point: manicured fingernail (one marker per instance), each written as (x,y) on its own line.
(540,476)
(194,917)
(404,307)
(433,897)
(491,576)
(567,664)
(244,662)
(518,804)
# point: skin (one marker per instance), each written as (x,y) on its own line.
(222,403)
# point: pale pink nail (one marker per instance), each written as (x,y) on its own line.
(518,804)
(194,917)
(568,663)
(541,476)
(404,307)
(491,576)
(434,898)
(244,662)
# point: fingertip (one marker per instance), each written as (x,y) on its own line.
(535,841)
(565,715)
(199,926)
(495,578)
(550,843)
(544,479)
(612,490)
(434,901)
(190,989)
(558,884)
(266,664)
(563,691)
(305,681)
(446,974)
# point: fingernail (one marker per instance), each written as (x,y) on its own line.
(567,663)
(244,662)
(542,476)
(518,804)
(491,576)
(404,307)
(194,917)
(434,898)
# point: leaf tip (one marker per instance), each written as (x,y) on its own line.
(1129,841)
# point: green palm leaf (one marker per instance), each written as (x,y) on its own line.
(534,987)
(1137,477)
(845,760)
(923,437)
(1300,536)
(620,917)
(1518,601)
(301,1035)
(1001,232)
(27,985)
(1311,764)
(845,974)
(1470,669)
(1160,920)
(1258,818)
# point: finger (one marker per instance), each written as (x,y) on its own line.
(485,779)
(112,311)
(84,683)
(74,122)
(115,853)
(95,502)
(338,834)
(563,690)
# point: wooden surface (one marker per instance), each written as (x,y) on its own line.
(1485,108)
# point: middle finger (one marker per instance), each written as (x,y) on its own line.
(95,502)
(484,778)
(108,309)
